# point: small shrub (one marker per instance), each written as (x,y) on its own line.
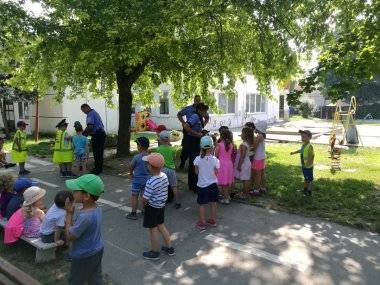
(305,109)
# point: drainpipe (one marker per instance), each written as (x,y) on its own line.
(37,126)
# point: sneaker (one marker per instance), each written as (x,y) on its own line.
(168,250)
(255,192)
(8,165)
(201,226)
(132,216)
(177,205)
(70,174)
(151,255)
(211,222)
(242,196)
(263,190)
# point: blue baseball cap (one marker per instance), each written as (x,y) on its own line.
(207,142)
(22,184)
(143,142)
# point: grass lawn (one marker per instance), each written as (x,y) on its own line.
(42,149)
(350,196)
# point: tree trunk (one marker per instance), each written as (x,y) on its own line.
(125,82)
(4,117)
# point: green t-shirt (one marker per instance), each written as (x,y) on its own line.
(168,152)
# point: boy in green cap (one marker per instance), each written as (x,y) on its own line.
(84,231)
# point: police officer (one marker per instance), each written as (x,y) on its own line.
(194,127)
(95,129)
(187,112)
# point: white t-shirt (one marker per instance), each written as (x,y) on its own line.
(55,217)
(206,166)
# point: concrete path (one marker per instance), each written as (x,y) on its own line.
(249,246)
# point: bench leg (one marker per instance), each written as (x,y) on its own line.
(45,255)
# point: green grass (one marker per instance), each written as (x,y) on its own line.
(350,196)
(42,149)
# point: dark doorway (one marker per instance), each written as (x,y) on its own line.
(282,106)
(10,115)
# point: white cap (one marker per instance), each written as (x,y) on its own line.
(164,135)
(32,195)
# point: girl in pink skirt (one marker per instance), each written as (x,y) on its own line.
(224,151)
(243,163)
(258,164)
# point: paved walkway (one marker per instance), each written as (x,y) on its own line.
(249,246)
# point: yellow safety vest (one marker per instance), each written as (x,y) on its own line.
(60,144)
(63,150)
(20,136)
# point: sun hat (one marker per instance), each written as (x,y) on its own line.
(23,183)
(143,142)
(306,132)
(155,160)
(261,126)
(89,183)
(207,142)
(164,135)
(32,195)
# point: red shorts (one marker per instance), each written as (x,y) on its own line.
(258,164)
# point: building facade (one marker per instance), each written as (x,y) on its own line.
(247,105)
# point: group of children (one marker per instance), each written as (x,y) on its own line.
(22,204)
(152,172)
(67,149)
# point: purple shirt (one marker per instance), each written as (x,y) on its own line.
(94,119)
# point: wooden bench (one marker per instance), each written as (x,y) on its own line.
(44,251)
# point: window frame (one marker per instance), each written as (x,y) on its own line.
(228,100)
(248,103)
(164,99)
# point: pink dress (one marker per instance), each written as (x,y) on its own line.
(226,170)
(14,227)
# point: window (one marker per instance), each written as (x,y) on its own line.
(23,110)
(226,105)
(164,103)
(255,103)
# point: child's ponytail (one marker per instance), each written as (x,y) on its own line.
(203,152)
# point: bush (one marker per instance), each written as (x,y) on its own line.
(305,109)
(364,110)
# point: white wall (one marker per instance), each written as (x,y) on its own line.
(315,99)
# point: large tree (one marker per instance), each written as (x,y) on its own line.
(349,58)
(134,45)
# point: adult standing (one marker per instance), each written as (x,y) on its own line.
(95,129)
(193,127)
(187,112)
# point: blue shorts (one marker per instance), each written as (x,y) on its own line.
(137,188)
(207,194)
(308,174)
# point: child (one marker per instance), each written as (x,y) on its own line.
(52,228)
(307,161)
(84,231)
(220,130)
(6,183)
(206,166)
(32,211)
(242,162)
(63,149)
(80,144)
(3,156)
(168,152)
(17,198)
(252,126)
(258,164)
(140,175)
(224,152)
(155,196)
(19,152)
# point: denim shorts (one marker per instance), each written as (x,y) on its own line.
(208,194)
(172,176)
(137,188)
(308,174)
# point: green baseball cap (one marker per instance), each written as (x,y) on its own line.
(90,183)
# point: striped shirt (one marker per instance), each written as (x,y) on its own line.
(156,190)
